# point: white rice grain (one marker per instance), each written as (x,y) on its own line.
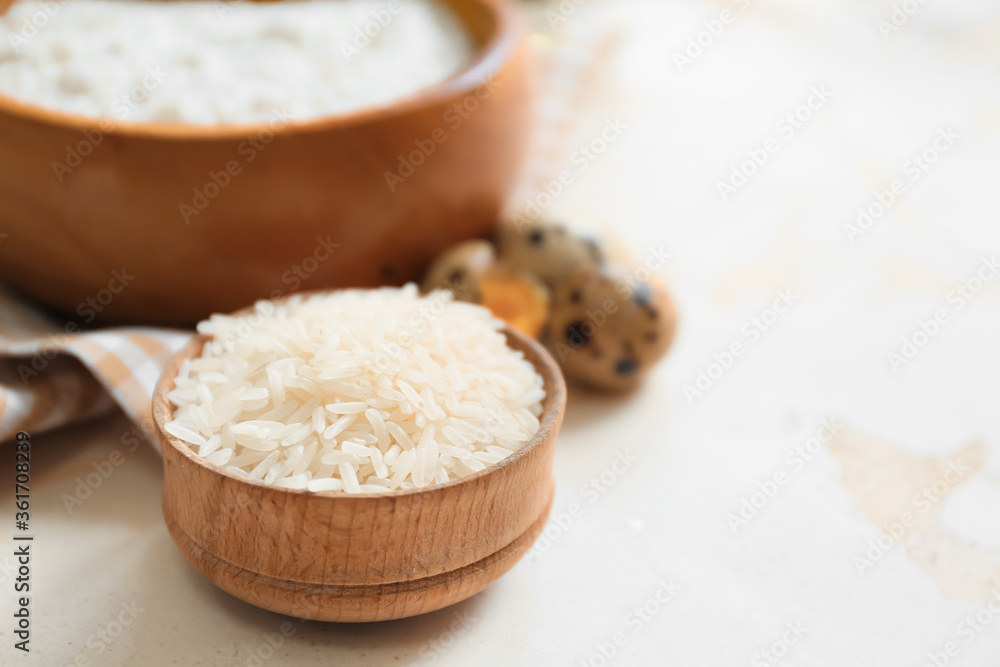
(319,393)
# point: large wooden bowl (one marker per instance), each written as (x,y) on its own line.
(336,557)
(316,183)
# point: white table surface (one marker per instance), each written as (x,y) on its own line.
(663,518)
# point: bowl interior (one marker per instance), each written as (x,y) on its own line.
(492,25)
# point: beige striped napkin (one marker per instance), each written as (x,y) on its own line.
(50,378)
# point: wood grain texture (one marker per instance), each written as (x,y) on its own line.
(357,604)
(315,179)
(330,556)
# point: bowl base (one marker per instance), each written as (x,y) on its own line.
(357,604)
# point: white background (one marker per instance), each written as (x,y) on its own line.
(665,517)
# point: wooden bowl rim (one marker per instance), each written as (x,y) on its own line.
(487,59)
(553,406)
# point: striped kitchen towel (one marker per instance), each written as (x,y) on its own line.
(49,377)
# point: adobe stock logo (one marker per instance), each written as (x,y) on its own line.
(637,619)
(970,628)
(425,147)
(795,460)
(900,530)
(928,329)
(786,127)
(900,16)
(47,9)
(700,42)
(582,158)
(592,490)
(364,34)
(217,181)
(752,330)
(780,648)
(562,12)
(914,168)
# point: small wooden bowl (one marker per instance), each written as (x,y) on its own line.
(115,205)
(336,557)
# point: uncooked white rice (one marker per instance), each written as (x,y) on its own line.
(361,391)
(226,62)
